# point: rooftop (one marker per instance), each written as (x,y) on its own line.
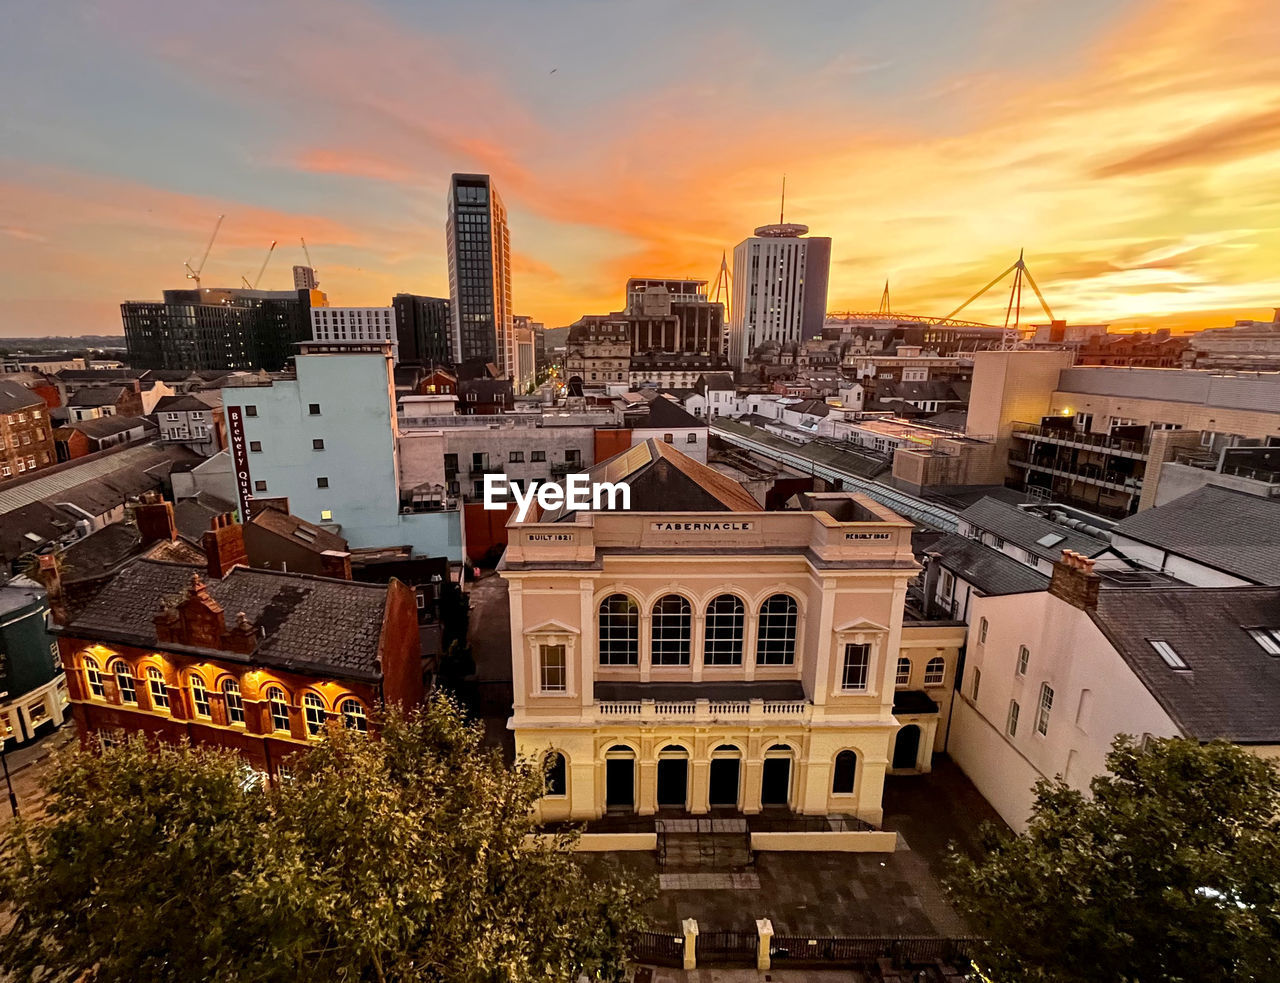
(14,397)
(107,426)
(1034,533)
(1257,391)
(94,396)
(54,482)
(990,571)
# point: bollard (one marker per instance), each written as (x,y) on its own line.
(764,929)
(690,926)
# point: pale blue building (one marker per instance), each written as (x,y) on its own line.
(325,438)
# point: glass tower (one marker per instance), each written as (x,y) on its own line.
(479,251)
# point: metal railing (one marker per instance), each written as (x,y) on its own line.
(1073,438)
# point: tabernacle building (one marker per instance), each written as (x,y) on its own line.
(696,653)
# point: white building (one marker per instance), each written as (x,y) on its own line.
(355,324)
(779,289)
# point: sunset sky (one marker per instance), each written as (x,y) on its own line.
(1131,146)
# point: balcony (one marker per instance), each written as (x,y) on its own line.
(1113,482)
(1115,446)
(705,711)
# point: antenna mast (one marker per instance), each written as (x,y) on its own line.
(782,211)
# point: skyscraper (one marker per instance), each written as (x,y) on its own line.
(479,250)
(423,329)
(779,288)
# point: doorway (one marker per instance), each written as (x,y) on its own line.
(673,782)
(724,782)
(907,748)
(775,783)
(620,784)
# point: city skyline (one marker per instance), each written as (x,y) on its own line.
(1127,146)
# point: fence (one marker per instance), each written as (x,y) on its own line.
(659,948)
(801,950)
(728,948)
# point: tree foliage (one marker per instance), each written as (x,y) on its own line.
(398,858)
(1168,871)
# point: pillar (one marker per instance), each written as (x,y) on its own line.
(764,929)
(646,786)
(752,776)
(700,787)
(690,927)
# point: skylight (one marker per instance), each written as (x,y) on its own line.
(1268,638)
(1050,539)
(1166,651)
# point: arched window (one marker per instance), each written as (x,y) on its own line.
(903,678)
(557,778)
(619,626)
(313,709)
(93,677)
(156,687)
(776,643)
(353,716)
(843,774)
(935,671)
(672,628)
(725,619)
(125,680)
(780,747)
(235,705)
(200,696)
(279,704)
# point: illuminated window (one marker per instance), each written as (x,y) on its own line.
(235,704)
(353,716)
(279,704)
(159,692)
(125,680)
(93,676)
(725,620)
(313,708)
(776,642)
(934,671)
(619,630)
(903,677)
(326,515)
(200,697)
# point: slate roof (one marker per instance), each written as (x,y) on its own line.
(664,412)
(714,380)
(14,397)
(193,518)
(299,531)
(306,623)
(1025,529)
(990,571)
(100,550)
(184,403)
(811,407)
(107,426)
(1230,531)
(49,484)
(1231,688)
(97,396)
(31,527)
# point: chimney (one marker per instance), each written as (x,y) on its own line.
(154,517)
(224,546)
(49,575)
(1074,581)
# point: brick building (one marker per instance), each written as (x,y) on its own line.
(26,438)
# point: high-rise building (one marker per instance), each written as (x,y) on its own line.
(355,324)
(479,250)
(218,328)
(304,278)
(526,371)
(779,288)
(424,329)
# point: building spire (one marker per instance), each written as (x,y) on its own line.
(782,211)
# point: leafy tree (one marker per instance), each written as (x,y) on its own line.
(399,858)
(1168,871)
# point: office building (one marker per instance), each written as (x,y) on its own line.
(779,288)
(423,329)
(526,347)
(355,324)
(479,253)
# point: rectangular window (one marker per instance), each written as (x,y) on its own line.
(552,669)
(857,660)
(259,486)
(1168,653)
(1011,725)
(326,515)
(1024,656)
(977,683)
(317,444)
(322,482)
(572,456)
(1046,707)
(537,457)
(255,446)
(691,439)
(251,410)
(982,631)
(1268,638)
(313,409)
(515,457)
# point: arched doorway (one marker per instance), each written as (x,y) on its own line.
(775,780)
(906,751)
(673,777)
(726,769)
(620,779)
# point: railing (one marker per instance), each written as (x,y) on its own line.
(618,709)
(789,823)
(1128,484)
(704,710)
(805,950)
(1072,438)
(675,709)
(727,707)
(659,948)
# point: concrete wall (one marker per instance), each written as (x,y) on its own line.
(860,841)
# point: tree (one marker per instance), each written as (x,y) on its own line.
(403,857)
(1169,870)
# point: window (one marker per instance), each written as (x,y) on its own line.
(619,628)
(235,705)
(948,585)
(278,702)
(353,716)
(557,784)
(537,456)
(93,677)
(322,482)
(1011,723)
(255,446)
(572,456)
(515,457)
(691,439)
(1268,638)
(171,417)
(669,438)
(982,631)
(251,410)
(326,515)
(843,774)
(259,486)
(156,687)
(903,676)
(1024,656)
(672,625)
(1167,652)
(1046,706)
(313,409)
(725,619)
(317,444)
(552,669)
(935,671)
(977,682)
(776,639)
(313,709)
(124,680)
(857,660)
(200,697)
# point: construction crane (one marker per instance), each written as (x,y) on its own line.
(261,269)
(195,274)
(307,253)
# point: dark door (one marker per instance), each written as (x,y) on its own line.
(620,783)
(673,781)
(724,782)
(907,748)
(776,782)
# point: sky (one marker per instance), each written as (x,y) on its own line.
(1131,147)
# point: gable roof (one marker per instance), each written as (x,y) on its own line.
(305,622)
(184,403)
(299,531)
(664,412)
(1227,530)
(1034,533)
(714,380)
(97,396)
(990,571)
(1231,686)
(17,397)
(106,426)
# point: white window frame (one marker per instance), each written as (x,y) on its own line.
(1011,720)
(901,676)
(1044,708)
(1024,657)
(935,671)
(548,656)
